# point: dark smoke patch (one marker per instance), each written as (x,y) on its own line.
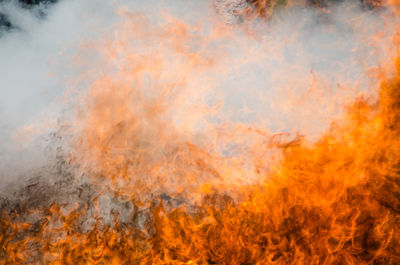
(236,11)
(5,23)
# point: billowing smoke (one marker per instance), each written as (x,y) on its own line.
(108,100)
(292,73)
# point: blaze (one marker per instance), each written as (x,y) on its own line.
(195,191)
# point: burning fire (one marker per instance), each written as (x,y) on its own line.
(185,189)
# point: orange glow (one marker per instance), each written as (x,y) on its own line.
(201,193)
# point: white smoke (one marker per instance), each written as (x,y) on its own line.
(293,73)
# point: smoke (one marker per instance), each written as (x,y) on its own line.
(37,52)
(294,73)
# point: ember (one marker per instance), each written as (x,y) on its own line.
(150,169)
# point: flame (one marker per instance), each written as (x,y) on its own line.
(200,193)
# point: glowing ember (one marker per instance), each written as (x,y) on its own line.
(154,172)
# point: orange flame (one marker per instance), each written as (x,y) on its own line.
(189,198)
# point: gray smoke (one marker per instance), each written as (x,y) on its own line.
(292,73)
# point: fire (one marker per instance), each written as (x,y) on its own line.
(189,191)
